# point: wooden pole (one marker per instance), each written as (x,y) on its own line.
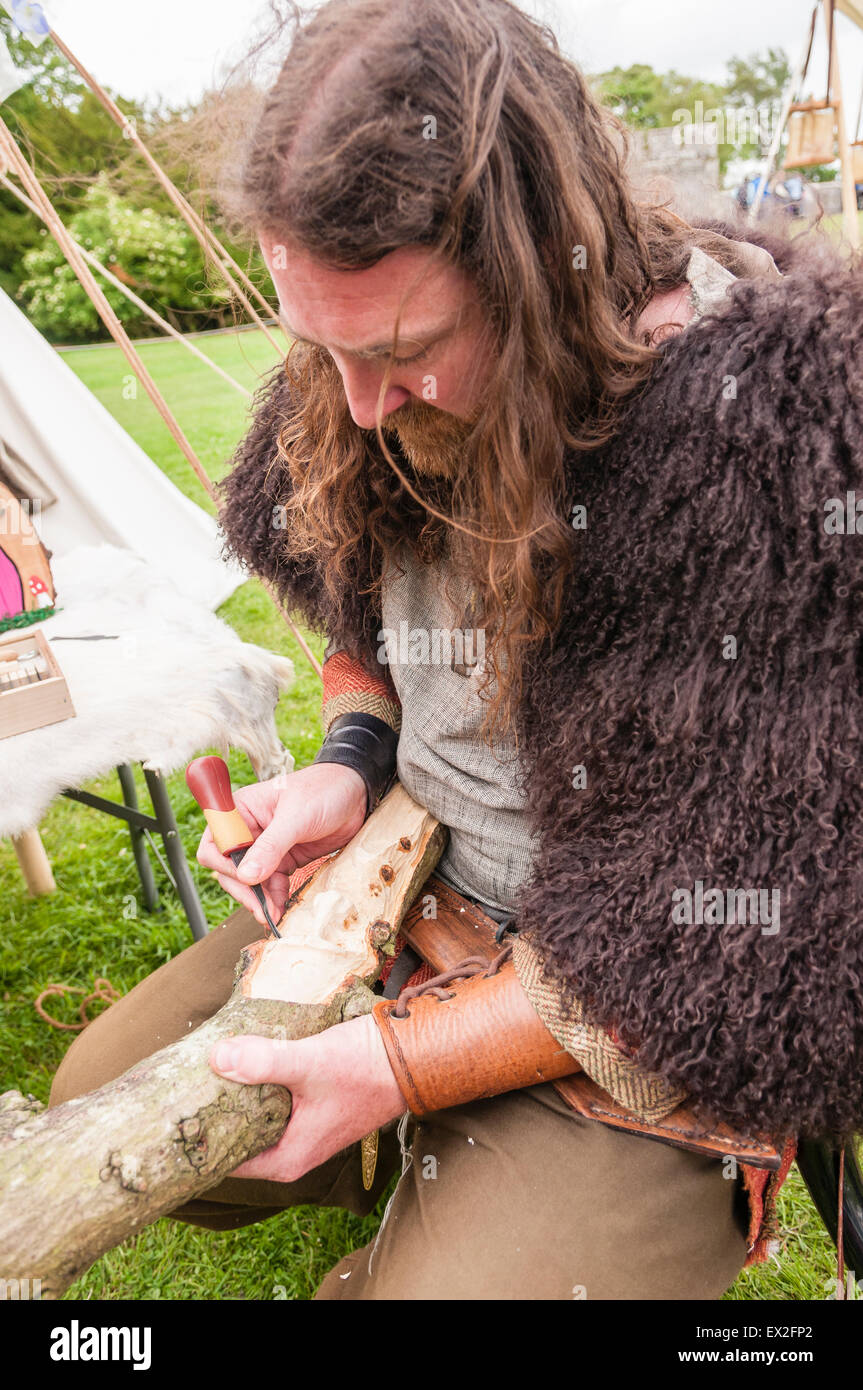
(208,240)
(34,863)
(19,166)
(16,162)
(298,636)
(789,94)
(850,223)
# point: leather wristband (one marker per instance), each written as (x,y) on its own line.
(368,745)
(487,1038)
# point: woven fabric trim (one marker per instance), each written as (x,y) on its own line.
(363,702)
(349,689)
(649,1096)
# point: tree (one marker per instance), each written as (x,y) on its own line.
(758,80)
(155,254)
(64,133)
(646,99)
(73,144)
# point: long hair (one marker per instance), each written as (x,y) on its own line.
(458,125)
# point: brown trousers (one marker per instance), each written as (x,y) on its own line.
(515,1197)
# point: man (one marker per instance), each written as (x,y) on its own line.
(503,417)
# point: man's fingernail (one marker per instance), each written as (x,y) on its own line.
(250,868)
(225,1057)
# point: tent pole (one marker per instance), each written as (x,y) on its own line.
(67,245)
(791,91)
(207,238)
(298,636)
(19,166)
(850,224)
(130,294)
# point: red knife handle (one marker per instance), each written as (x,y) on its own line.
(209,782)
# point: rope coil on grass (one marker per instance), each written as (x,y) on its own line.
(102,989)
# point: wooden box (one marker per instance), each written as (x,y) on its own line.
(45,698)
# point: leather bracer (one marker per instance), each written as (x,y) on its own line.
(454,1041)
(368,745)
(459,928)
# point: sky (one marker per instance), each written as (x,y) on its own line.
(175,49)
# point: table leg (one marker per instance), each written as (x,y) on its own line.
(139,840)
(34,862)
(176,856)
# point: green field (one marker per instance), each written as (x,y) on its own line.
(210,412)
(831,225)
(81,931)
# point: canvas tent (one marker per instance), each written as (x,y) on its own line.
(91,481)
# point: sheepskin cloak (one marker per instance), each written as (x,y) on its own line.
(707,676)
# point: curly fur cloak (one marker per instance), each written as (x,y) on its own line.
(705,521)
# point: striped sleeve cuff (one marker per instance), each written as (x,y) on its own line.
(649,1096)
(349,689)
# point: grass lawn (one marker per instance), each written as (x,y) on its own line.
(831,225)
(210,411)
(93,925)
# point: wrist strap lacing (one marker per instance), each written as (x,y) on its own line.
(473,965)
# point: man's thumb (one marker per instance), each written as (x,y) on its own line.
(251,1060)
(268,851)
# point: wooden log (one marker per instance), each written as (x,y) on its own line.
(79,1179)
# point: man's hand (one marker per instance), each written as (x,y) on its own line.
(295,818)
(342,1087)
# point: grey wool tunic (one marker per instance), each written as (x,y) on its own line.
(443,762)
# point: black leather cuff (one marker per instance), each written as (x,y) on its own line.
(368,745)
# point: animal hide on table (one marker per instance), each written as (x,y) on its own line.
(175,681)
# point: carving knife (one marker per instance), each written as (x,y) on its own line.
(209,782)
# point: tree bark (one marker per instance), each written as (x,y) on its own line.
(79,1179)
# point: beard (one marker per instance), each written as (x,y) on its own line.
(433,442)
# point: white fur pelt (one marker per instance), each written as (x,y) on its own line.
(176,681)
